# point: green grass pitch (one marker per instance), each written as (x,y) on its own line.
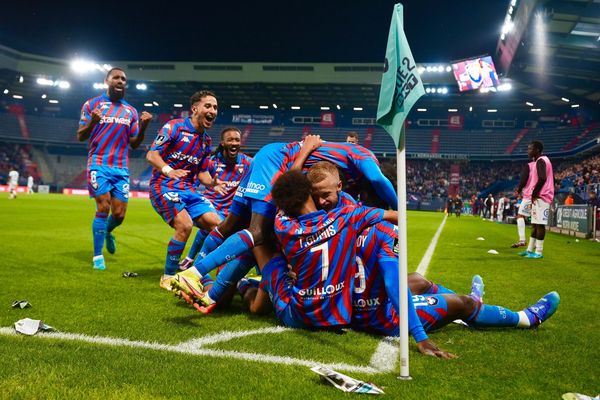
(45,257)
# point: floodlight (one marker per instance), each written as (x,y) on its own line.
(263,107)
(141,86)
(357,108)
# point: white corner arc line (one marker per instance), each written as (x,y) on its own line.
(424,264)
(185,348)
(386,355)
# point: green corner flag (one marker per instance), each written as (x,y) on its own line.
(401,85)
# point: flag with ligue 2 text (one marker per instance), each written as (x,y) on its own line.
(401,85)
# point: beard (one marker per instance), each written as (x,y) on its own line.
(115,94)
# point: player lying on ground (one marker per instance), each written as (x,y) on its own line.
(317,290)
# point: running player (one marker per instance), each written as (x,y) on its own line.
(228,165)
(541,186)
(179,154)
(113,127)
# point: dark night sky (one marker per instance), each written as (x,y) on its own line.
(284,31)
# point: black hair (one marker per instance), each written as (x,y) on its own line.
(110,71)
(537,145)
(291,191)
(219,148)
(199,95)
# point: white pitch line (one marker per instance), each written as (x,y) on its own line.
(386,355)
(228,335)
(424,264)
(185,348)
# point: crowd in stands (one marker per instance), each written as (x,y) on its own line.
(579,176)
(11,157)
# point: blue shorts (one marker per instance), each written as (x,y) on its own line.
(431,309)
(103,180)
(169,202)
(278,284)
(267,166)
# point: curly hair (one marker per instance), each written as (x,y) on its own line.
(291,191)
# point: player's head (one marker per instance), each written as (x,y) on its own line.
(116,80)
(352,137)
(204,108)
(229,146)
(326,184)
(291,192)
(534,149)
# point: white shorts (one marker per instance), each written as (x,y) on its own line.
(539,212)
(525,208)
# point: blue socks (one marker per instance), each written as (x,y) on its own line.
(232,247)
(99,232)
(113,223)
(232,272)
(212,241)
(197,243)
(488,316)
(174,250)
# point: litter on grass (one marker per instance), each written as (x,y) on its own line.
(21,304)
(28,326)
(480,238)
(344,382)
(492,251)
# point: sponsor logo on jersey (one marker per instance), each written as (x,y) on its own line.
(367,303)
(254,187)
(185,139)
(185,157)
(326,291)
(115,120)
(185,133)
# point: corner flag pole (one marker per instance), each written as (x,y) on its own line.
(401,87)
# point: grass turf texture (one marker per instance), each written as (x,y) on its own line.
(45,258)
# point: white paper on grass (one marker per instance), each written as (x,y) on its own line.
(480,238)
(492,251)
(344,382)
(28,326)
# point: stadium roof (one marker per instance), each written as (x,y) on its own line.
(557,53)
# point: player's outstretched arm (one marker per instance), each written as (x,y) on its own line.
(154,158)
(84,131)
(311,143)
(382,185)
(428,348)
(145,119)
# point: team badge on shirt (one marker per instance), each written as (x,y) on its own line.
(160,139)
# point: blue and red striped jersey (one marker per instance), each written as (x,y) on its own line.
(231,173)
(376,290)
(344,199)
(181,147)
(109,140)
(321,248)
(356,162)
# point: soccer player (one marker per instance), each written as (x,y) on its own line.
(524,210)
(179,154)
(255,198)
(352,137)
(320,246)
(457,203)
(228,165)
(113,127)
(541,186)
(29,184)
(13,182)
(376,294)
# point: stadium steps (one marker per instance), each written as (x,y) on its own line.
(41,158)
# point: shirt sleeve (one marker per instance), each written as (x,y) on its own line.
(163,138)
(382,185)
(134,127)
(86,114)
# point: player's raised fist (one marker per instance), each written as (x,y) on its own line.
(96,115)
(145,117)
